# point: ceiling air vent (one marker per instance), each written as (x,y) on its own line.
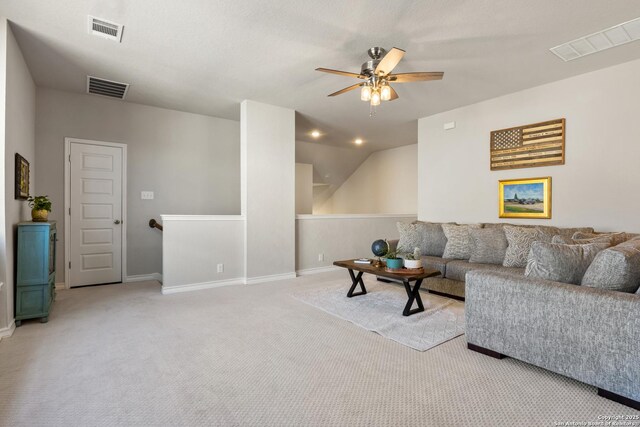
(611,37)
(106,29)
(96,86)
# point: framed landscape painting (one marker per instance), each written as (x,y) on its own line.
(525,198)
(22,178)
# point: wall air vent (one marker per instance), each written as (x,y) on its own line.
(106,29)
(611,37)
(96,86)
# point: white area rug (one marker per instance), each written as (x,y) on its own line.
(380,310)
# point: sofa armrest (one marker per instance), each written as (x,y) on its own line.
(589,334)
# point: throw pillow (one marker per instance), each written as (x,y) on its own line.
(561,263)
(616,268)
(488,245)
(411,236)
(458,240)
(616,238)
(520,240)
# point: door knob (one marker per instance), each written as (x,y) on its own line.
(117,221)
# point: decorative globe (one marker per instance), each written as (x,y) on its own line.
(380,247)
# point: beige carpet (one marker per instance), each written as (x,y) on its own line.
(380,311)
(124,355)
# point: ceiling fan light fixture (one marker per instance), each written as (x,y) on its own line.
(365,93)
(385,93)
(375,98)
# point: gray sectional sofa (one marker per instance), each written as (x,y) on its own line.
(589,330)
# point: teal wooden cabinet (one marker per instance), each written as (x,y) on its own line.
(36,270)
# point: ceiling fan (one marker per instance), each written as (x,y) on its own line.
(376,75)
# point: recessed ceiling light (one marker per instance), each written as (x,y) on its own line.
(315,133)
(358,141)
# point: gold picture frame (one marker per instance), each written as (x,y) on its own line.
(22,178)
(534,200)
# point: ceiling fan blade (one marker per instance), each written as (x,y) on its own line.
(346,89)
(340,73)
(394,94)
(389,61)
(415,77)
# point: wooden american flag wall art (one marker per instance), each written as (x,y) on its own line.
(539,144)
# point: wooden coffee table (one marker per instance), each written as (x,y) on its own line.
(406,279)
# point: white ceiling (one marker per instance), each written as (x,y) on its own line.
(206,56)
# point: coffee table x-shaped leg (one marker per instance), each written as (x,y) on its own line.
(412,294)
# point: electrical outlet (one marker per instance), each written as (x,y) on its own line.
(449,126)
(320,257)
(220,268)
(146,195)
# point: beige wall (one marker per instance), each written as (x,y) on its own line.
(304,188)
(337,237)
(268,189)
(596,187)
(19,114)
(190,161)
(386,182)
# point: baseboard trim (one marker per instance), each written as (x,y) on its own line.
(619,399)
(144,278)
(61,286)
(202,285)
(317,270)
(270,278)
(8,331)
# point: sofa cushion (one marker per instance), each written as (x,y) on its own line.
(488,245)
(569,232)
(559,238)
(457,269)
(436,263)
(458,240)
(520,240)
(616,238)
(616,268)
(561,263)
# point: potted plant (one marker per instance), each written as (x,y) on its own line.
(410,261)
(40,208)
(393,259)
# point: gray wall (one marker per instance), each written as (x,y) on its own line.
(190,161)
(597,186)
(20,111)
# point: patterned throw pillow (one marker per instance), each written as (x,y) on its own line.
(488,245)
(458,240)
(561,263)
(616,268)
(520,240)
(411,236)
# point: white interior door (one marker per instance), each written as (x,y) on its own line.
(96,177)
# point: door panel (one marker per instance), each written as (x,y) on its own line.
(96,214)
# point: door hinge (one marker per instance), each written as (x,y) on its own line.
(69,158)
(69,211)
(69,264)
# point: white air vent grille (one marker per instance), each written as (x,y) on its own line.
(106,29)
(96,86)
(605,39)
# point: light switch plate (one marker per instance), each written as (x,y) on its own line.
(449,126)
(146,195)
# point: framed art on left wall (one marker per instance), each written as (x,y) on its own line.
(22,178)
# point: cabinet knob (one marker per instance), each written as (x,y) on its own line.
(117,221)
